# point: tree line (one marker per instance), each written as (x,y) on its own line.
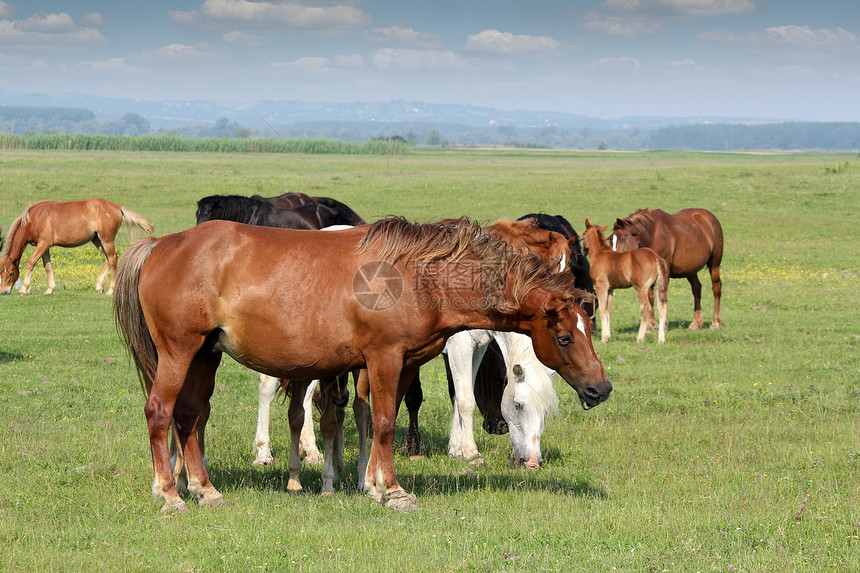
(26,121)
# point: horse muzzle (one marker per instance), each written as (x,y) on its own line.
(591,396)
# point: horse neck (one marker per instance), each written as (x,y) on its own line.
(17,239)
(595,243)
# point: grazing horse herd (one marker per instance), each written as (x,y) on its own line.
(506,304)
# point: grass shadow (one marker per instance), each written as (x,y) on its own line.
(13,357)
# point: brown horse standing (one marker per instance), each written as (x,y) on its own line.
(688,240)
(65,224)
(383,297)
(641,268)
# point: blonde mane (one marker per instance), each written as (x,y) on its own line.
(498,265)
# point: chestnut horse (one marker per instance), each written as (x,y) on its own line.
(642,268)
(384,297)
(688,240)
(65,224)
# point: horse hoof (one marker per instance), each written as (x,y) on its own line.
(716,325)
(212,501)
(264,461)
(399,500)
(327,494)
(172,507)
(417,457)
(294,486)
(313,459)
(476,460)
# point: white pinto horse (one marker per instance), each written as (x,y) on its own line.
(528,398)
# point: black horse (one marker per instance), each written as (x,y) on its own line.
(579,266)
(258,211)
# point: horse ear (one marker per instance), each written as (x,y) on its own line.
(620,223)
(603,228)
(587,223)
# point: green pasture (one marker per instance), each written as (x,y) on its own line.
(723,450)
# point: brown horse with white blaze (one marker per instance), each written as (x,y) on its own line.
(688,241)
(642,269)
(65,224)
(383,297)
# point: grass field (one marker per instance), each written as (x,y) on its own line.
(729,450)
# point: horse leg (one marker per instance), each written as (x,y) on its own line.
(717,286)
(414,397)
(190,415)
(335,396)
(661,295)
(361,410)
(604,302)
(107,249)
(464,363)
(307,440)
(645,310)
(49,270)
(38,252)
(297,419)
(268,388)
(159,408)
(696,286)
(388,383)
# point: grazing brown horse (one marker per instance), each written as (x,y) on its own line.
(641,269)
(64,224)
(384,297)
(688,240)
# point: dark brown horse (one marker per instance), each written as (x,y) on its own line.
(65,224)
(579,265)
(689,240)
(383,297)
(641,268)
(258,211)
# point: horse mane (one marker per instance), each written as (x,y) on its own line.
(640,217)
(236,208)
(598,233)
(23,219)
(540,383)
(497,264)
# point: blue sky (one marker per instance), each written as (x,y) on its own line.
(791,59)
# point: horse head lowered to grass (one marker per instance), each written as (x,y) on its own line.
(384,297)
(64,224)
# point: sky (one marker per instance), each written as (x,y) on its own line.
(782,59)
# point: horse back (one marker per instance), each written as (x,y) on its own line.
(688,240)
(73,223)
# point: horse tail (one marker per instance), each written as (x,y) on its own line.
(662,285)
(129,313)
(132,219)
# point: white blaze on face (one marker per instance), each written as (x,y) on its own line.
(562,265)
(580,324)
(614,242)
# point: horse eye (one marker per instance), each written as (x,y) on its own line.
(565,339)
(518,406)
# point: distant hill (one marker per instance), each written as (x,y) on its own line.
(416,122)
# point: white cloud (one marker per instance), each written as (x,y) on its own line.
(622,27)
(617,64)
(113,66)
(177,53)
(50,29)
(349,61)
(315,65)
(244,38)
(275,14)
(796,36)
(507,43)
(403,35)
(681,8)
(7,11)
(404,59)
